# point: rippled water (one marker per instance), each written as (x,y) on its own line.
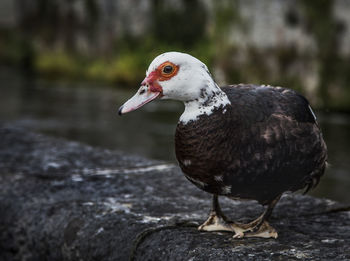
(88,113)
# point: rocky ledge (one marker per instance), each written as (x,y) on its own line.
(62,200)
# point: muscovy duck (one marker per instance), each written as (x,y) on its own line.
(240,141)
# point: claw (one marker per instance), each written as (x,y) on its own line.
(238,235)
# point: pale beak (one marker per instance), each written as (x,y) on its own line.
(143,96)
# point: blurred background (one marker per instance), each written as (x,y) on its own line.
(67,65)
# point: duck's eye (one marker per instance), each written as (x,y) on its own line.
(168,69)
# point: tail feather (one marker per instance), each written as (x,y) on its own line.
(314,178)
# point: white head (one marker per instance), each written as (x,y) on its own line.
(178,76)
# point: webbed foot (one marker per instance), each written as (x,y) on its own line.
(265,230)
(217,222)
(240,230)
(257,228)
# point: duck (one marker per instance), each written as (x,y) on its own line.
(240,141)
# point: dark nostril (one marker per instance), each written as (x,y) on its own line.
(142,91)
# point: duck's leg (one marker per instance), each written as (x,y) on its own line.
(260,227)
(217,221)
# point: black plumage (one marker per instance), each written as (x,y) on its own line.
(263,144)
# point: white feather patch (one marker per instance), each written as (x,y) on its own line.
(219,178)
(226,189)
(187,162)
(194,109)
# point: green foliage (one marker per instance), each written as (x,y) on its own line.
(57,64)
(15,50)
(226,16)
(183,26)
(48,42)
(322,25)
(126,68)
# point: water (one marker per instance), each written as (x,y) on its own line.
(87,112)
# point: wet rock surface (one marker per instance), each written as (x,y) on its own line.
(62,200)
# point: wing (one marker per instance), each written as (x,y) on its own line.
(257,103)
(281,147)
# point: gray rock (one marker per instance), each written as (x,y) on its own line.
(62,200)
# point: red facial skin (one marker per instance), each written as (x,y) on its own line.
(152,81)
(159,75)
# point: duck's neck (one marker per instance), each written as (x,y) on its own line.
(211,98)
